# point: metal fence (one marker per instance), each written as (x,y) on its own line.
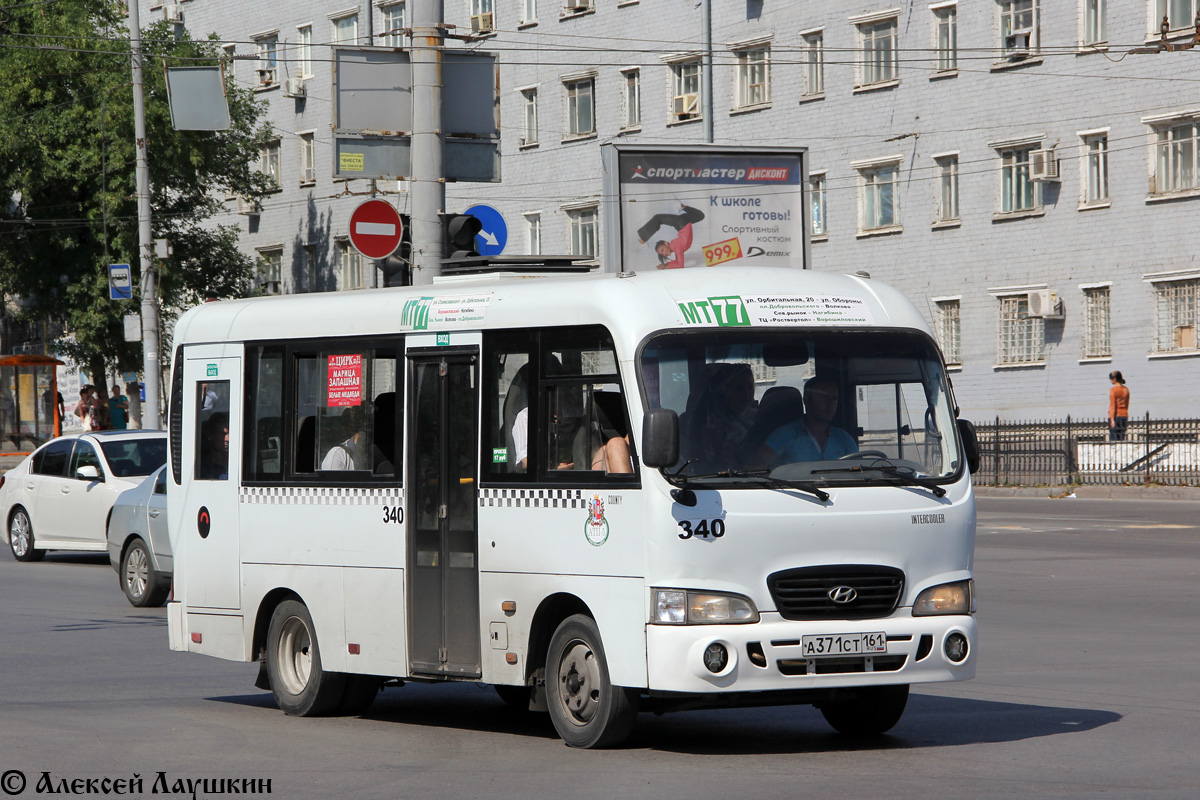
(1062,452)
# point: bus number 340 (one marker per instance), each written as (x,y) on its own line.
(703,528)
(393,514)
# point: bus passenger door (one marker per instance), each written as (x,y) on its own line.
(443,601)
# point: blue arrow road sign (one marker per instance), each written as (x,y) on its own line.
(120,282)
(493,236)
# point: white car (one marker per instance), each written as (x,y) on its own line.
(138,546)
(60,496)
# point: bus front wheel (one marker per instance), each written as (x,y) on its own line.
(870,710)
(587,710)
(302,688)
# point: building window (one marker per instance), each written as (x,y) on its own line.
(1018,26)
(529,105)
(270,270)
(877,48)
(533,233)
(582,222)
(949,329)
(631,98)
(576,7)
(946,38)
(753,77)
(1094,23)
(268,162)
(1022,338)
(685,81)
(1017,191)
(308,158)
(528,11)
(581,111)
(1177,303)
(878,199)
(1095,178)
(1179,13)
(304,50)
(308,269)
(816,193)
(483,16)
(345,29)
(393,23)
(947,209)
(813,61)
(1176,149)
(1096,340)
(267,49)
(350,264)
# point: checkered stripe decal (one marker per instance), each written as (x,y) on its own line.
(319,496)
(532,498)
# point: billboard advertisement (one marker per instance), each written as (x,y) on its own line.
(697,206)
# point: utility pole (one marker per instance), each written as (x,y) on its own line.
(428,177)
(151,416)
(706,69)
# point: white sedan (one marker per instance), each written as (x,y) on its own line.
(60,496)
(138,547)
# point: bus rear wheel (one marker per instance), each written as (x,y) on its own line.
(868,711)
(587,710)
(302,688)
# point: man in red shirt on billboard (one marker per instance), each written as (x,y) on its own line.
(670,254)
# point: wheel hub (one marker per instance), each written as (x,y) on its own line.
(578,682)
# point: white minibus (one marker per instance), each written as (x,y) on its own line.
(600,493)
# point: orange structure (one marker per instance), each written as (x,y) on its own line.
(29,412)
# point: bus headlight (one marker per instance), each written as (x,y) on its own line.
(949,598)
(681,607)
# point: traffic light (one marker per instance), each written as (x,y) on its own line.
(461,230)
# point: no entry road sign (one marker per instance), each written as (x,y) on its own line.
(375,229)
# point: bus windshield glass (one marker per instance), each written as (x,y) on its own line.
(820,407)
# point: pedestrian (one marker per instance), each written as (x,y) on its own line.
(1118,407)
(118,409)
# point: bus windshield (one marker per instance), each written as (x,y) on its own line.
(822,407)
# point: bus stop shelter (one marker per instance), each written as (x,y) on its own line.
(29,411)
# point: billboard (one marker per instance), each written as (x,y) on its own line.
(691,206)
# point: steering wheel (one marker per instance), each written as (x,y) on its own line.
(864,454)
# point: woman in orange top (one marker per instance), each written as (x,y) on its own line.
(1118,407)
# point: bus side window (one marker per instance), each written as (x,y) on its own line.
(212,431)
(263,457)
(507,391)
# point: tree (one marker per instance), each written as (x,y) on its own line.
(67,158)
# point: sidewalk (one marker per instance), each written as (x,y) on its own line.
(1094,492)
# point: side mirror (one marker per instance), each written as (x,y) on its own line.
(88,473)
(970,442)
(660,438)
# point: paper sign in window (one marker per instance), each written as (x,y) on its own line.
(345,381)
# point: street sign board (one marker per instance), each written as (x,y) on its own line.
(493,236)
(375,228)
(120,282)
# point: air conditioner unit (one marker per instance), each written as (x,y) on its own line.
(483,23)
(578,5)
(295,87)
(1016,44)
(248,207)
(173,12)
(1045,304)
(687,105)
(1043,165)
(308,175)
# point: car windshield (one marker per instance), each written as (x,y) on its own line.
(134,457)
(820,407)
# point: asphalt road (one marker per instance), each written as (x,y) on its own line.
(1088,686)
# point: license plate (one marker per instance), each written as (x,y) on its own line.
(844,644)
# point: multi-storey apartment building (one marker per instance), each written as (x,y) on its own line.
(1026,170)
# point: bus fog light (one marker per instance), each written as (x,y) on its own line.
(716,657)
(956,647)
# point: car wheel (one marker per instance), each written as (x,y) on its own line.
(868,711)
(142,584)
(301,686)
(587,710)
(20,538)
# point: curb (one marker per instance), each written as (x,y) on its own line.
(1184,493)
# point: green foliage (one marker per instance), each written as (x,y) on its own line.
(67,173)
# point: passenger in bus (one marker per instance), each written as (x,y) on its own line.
(713,431)
(351,453)
(813,438)
(214,448)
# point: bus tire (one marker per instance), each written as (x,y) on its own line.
(587,710)
(20,537)
(515,697)
(302,688)
(360,693)
(871,710)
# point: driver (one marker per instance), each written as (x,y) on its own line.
(813,438)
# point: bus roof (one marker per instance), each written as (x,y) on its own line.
(630,305)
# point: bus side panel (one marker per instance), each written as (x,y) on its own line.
(617,604)
(319,588)
(375,621)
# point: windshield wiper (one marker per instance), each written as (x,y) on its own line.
(763,476)
(903,476)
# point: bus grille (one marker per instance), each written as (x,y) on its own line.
(804,593)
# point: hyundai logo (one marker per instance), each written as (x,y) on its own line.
(842,594)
